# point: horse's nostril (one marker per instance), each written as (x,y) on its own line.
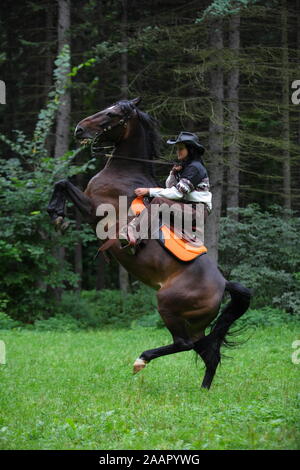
(79,131)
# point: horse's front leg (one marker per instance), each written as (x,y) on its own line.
(63,190)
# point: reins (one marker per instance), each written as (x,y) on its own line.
(121,157)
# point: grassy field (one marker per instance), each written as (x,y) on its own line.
(76,391)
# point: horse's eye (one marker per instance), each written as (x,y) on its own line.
(113,115)
(103,124)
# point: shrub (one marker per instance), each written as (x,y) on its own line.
(97,309)
(6,322)
(262,252)
(153,320)
(289,301)
(266,316)
(58,323)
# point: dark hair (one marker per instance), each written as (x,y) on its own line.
(194,153)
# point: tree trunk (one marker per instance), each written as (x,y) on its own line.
(123,274)
(49,67)
(64,109)
(298,49)
(124,55)
(233,117)
(49,58)
(215,166)
(296,112)
(100,280)
(285,107)
(78,252)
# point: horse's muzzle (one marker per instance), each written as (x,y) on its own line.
(82,133)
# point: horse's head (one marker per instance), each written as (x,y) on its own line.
(108,125)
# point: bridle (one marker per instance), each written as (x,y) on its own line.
(123,123)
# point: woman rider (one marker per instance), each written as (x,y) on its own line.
(187,182)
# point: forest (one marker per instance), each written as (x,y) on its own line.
(226,70)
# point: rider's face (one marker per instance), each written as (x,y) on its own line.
(182,151)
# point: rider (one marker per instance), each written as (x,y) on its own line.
(187,182)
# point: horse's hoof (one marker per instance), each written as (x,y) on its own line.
(58,221)
(64,227)
(139,365)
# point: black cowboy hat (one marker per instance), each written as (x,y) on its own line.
(188,138)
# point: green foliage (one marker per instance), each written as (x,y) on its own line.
(87,63)
(289,301)
(29,265)
(110,308)
(221,8)
(58,323)
(6,322)
(266,316)
(95,309)
(262,250)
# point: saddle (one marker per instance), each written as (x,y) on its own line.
(181,248)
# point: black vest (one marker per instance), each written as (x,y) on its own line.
(193,171)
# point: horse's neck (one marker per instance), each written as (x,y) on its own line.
(126,169)
(121,176)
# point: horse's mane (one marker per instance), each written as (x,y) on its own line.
(153,137)
(150,125)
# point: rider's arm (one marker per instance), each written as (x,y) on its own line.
(178,191)
(179,188)
(171,180)
(169,193)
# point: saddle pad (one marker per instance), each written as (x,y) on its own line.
(137,205)
(181,249)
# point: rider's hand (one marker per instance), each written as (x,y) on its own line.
(176,168)
(141,191)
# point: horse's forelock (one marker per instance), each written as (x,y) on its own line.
(125,105)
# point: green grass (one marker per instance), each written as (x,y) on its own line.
(77,391)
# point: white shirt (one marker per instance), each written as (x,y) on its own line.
(171,192)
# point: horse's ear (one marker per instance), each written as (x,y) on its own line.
(136,101)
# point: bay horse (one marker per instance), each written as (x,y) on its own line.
(189,294)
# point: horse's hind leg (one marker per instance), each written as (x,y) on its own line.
(208,349)
(181,341)
(209,346)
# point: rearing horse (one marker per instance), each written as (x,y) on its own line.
(188,294)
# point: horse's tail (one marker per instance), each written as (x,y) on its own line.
(209,346)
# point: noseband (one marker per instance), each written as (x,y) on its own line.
(122,122)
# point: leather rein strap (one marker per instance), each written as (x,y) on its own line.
(120,157)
